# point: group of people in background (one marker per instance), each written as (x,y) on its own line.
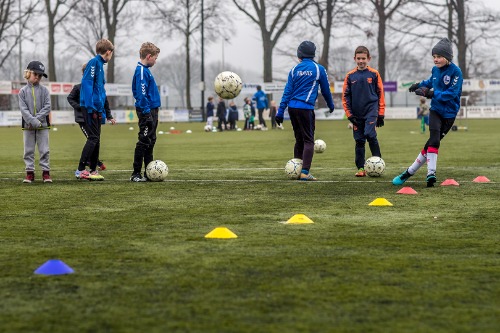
(362,98)
(228,116)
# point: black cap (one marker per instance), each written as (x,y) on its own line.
(37,67)
(443,48)
(306,49)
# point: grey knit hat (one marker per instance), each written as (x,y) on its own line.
(306,49)
(443,48)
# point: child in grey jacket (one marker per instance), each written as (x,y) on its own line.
(34,102)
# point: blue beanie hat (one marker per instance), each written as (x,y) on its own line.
(443,48)
(306,49)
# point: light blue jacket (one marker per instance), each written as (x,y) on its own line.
(301,90)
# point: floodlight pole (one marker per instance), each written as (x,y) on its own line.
(202,84)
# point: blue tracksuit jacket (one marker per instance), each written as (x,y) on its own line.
(145,90)
(92,92)
(260,99)
(301,90)
(447,83)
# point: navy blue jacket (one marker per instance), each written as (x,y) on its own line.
(363,93)
(301,90)
(447,83)
(210,109)
(145,90)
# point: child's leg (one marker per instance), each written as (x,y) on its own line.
(42,139)
(421,160)
(148,156)
(371,136)
(29,138)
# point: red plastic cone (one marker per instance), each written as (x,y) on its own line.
(407,190)
(481,179)
(450,182)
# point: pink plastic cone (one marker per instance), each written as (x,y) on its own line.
(450,182)
(481,179)
(407,190)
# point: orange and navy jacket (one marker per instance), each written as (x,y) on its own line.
(363,94)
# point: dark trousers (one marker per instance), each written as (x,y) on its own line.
(365,131)
(222,120)
(438,128)
(90,152)
(85,131)
(146,139)
(261,118)
(304,125)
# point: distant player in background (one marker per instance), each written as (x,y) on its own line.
(261,102)
(147,104)
(300,94)
(272,114)
(34,103)
(364,105)
(247,113)
(74,100)
(92,100)
(444,88)
(210,112)
(423,114)
(221,115)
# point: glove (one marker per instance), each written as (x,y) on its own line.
(279,120)
(413,87)
(353,120)
(380,121)
(424,91)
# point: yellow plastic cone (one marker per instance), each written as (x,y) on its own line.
(221,233)
(380,202)
(299,219)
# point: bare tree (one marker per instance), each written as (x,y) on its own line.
(14,17)
(385,10)
(54,20)
(86,25)
(284,11)
(184,17)
(112,10)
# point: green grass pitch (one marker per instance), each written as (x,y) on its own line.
(429,263)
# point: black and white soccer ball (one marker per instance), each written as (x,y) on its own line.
(157,171)
(319,146)
(293,168)
(374,166)
(228,85)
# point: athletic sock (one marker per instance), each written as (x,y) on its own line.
(305,172)
(421,159)
(432,155)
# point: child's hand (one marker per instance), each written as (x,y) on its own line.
(413,87)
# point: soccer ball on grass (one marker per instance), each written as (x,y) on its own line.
(293,168)
(374,166)
(228,85)
(157,171)
(319,146)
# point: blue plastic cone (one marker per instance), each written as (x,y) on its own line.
(54,267)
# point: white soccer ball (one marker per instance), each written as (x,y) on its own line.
(207,128)
(157,171)
(228,85)
(293,168)
(319,146)
(374,166)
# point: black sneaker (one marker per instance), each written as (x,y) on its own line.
(431,180)
(136,177)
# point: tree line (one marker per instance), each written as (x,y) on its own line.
(400,33)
